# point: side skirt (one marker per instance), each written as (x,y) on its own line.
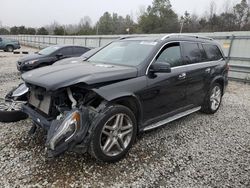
(172,118)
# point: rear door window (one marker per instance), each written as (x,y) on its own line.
(171,54)
(213,52)
(191,53)
(79,50)
(66,51)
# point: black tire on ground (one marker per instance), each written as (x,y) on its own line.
(12,116)
(9,48)
(95,149)
(207,105)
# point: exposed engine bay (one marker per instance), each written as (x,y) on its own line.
(68,113)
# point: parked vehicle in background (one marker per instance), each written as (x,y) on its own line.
(9,45)
(48,56)
(77,59)
(130,86)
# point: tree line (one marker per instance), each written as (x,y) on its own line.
(156,18)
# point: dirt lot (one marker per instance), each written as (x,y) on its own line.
(195,151)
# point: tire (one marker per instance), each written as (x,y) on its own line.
(11,114)
(211,99)
(9,48)
(123,135)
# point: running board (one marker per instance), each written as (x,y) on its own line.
(175,117)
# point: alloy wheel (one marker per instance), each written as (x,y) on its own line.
(215,98)
(116,134)
(10,105)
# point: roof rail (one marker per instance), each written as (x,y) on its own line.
(128,37)
(185,35)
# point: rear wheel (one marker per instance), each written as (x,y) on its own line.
(9,48)
(10,111)
(213,99)
(114,134)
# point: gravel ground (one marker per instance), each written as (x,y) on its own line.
(196,151)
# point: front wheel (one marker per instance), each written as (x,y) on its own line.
(213,99)
(10,111)
(114,134)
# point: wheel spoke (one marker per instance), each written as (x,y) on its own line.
(124,128)
(123,134)
(3,106)
(119,121)
(106,133)
(217,94)
(108,145)
(213,105)
(120,144)
(111,145)
(108,127)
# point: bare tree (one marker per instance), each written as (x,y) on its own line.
(212,9)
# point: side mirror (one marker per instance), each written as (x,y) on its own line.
(59,55)
(161,67)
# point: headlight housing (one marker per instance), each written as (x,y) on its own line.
(66,130)
(30,62)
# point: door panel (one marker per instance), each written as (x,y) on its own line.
(166,92)
(196,72)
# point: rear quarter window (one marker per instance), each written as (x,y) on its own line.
(213,52)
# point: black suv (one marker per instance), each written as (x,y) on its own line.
(127,87)
(48,56)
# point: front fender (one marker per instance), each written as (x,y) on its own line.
(124,88)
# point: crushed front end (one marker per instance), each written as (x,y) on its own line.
(67,114)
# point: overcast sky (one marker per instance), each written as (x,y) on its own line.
(37,13)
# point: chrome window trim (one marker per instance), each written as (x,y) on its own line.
(189,65)
(151,62)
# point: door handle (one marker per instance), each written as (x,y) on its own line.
(208,70)
(182,76)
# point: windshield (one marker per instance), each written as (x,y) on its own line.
(49,50)
(130,53)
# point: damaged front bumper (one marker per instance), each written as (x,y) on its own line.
(69,133)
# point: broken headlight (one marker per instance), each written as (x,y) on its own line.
(66,130)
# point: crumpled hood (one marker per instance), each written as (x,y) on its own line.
(55,77)
(30,57)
